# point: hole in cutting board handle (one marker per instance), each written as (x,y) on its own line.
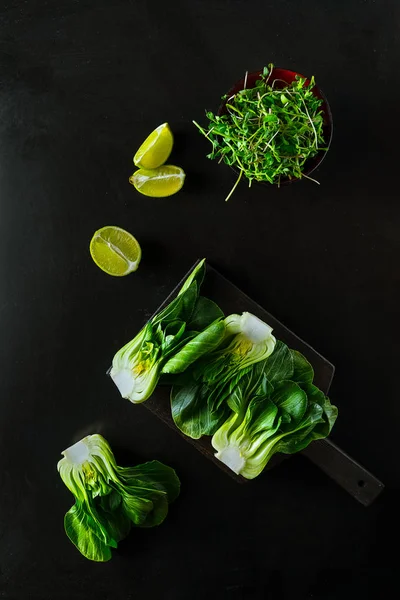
(343,469)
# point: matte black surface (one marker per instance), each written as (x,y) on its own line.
(81,85)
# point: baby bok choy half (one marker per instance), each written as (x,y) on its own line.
(198,398)
(109,499)
(275,407)
(187,328)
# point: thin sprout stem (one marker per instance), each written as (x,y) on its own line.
(268,144)
(310,178)
(234,108)
(235,186)
(271,67)
(312,124)
(204,132)
(275,80)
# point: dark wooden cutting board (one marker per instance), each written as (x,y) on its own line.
(330,458)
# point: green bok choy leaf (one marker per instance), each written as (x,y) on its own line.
(187,328)
(275,408)
(110,499)
(198,398)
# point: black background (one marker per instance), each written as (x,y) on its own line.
(82,84)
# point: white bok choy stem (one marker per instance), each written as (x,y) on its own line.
(88,466)
(253,340)
(136,368)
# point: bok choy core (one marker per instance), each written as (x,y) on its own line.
(175,337)
(198,399)
(275,408)
(109,499)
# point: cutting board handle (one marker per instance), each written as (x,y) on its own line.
(350,475)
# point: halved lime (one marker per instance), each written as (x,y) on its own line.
(115,251)
(155,149)
(158,183)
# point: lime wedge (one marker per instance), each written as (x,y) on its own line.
(155,149)
(158,183)
(115,251)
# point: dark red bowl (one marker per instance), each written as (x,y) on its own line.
(285,77)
